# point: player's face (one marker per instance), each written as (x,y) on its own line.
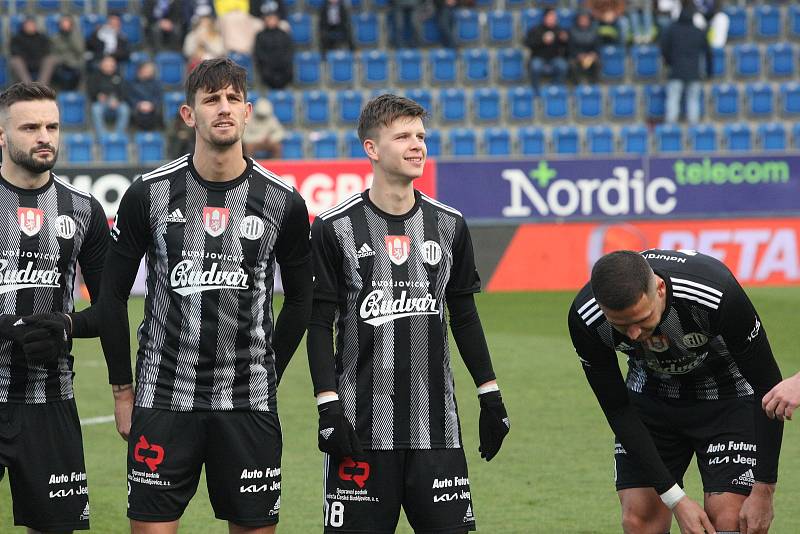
(640,320)
(218,118)
(29,135)
(399,149)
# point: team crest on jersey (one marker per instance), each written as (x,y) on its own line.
(695,339)
(431,252)
(65,227)
(30,220)
(398,247)
(657,343)
(251,227)
(215,220)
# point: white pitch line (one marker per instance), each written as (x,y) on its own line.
(97,420)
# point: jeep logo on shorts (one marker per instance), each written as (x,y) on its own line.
(695,339)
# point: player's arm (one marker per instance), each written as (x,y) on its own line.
(86,323)
(293,252)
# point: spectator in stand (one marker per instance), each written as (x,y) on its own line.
(711,16)
(334,26)
(404,31)
(667,12)
(145,98)
(583,49)
(166,23)
(203,42)
(612,25)
(237,26)
(263,136)
(548,44)
(106,89)
(108,40)
(30,54)
(686,53)
(260,8)
(444,12)
(180,138)
(68,48)
(273,54)
(640,13)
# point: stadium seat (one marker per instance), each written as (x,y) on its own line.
(132,27)
(719,62)
(790,99)
(612,62)
(113,148)
(149,146)
(50,24)
(468,27)
(600,139)
(725,100)
(117,6)
(566,17)
(430,31)
(292,146)
(171,66)
(669,138)
(516,4)
(646,61)
(462,142)
(511,65)
(453,105)
(348,103)
(588,102)
(79,147)
(796,135)
(324,145)
(245,61)
(702,137)
(374,67)
(623,102)
(423,97)
(283,104)
(768,21)
(307,67)
(314,5)
(746,60)
(520,103)
(794,21)
(738,137)
(340,67)
(738,22)
(315,107)
(89,22)
(772,136)
(555,102)
(444,65)
(72,105)
(353,146)
(566,140)
(129,68)
(781,58)
(433,141)
(476,64)
(3,72)
(47,5)
(655,100)
(759,99)
(486,104)
(408,63)
(366,32)
(501,28)
(531,141)
(634,139)
(302,31)
(172,104)
(497,142)
(531,17)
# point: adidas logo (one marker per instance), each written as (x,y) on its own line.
(19,322)
(326,432)
(624,346)
(365,251)
(507,422)
(745,479)
(85,514)
(176,217)
(468,517)
(277,506)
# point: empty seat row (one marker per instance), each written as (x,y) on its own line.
(114,148)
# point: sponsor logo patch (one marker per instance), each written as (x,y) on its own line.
(358,472)
(365,251)
(30,220)
(215,220)
(154,456)
(398,247)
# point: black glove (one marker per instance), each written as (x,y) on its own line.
(336,435)
(14,328)
(493,424)
(48,337)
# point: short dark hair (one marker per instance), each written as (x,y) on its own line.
(25,92)
(212,75)
(620,278)
(384,110)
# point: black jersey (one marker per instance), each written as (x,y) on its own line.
(211,248)
(49,232)
(390,277)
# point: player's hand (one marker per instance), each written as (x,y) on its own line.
(782,400)
(691,517)
(493,424)
(756,513)
(336,435)
(123,408)
(48,337)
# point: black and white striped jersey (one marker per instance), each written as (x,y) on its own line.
(211,248)
(49,232)
(708,323)
(390,277)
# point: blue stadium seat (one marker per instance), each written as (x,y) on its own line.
(719,62)
(511,65)
(408,63)
(246,62)
(600,139)
(531,17)
(444,65)
(47,5)
(794,21)
(302,32)
(315,107)
(129,68)
(72,105)
(768,21)
(588,102)
(520,103)
(566,140)
(50,24)
(325,145)
(796,135)
(117,6)
(430,30)
(307,67)
(113,148)
(90,22)
(366,29)
(634,139)
(423,97)
(15,23)
(531,141)
(612,62)
(283,104)
(759,99)
(725,100)
(453,105)
(738,137)
(669,138)
(780,58)
(655,100)
(790,99)
(462,142)
(150,146)
(374,67)
(486,104)
(772,136)
(171,66)
(555,102)
(354,148)
(566,17)
(702,137)
(468,27)
(516,4)
(746,60)
(314,4)
(292,146)
(497,141)
(646,61)
(501,28)
(738,22)
(349,106)
(476,64)
(132,28)
(340,67)
(433,141)
(172,103)
(623,101)
(3,71)
(79,147)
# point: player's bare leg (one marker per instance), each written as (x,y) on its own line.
(723,509)
(643,512)
(148,527)
(238,529)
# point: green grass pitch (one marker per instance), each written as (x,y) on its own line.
(553,475)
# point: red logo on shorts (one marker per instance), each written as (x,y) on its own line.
(358,472)
(151,461)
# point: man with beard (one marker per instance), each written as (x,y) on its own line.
(213,224)
(50,228)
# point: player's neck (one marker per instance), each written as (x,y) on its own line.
(219,165)
(19,177)
(394,198)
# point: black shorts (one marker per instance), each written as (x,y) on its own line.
(241,451)
(364,493)
(720,432)
(42,450)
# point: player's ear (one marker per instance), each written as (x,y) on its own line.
(371,149)
(187,114)
(248,111)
